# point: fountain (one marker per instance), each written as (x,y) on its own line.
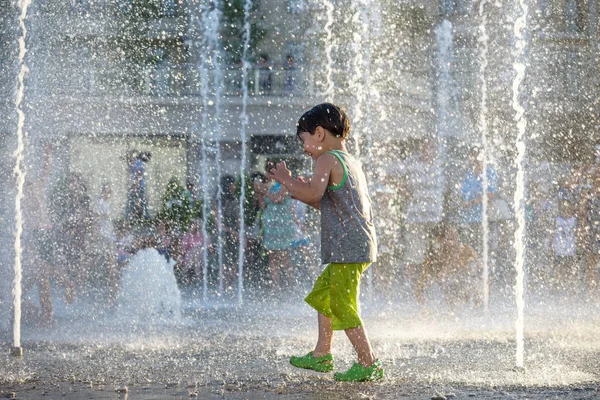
(218,85)
(483,126)
(207,42)
(519,197)
(149,290)
(243,141)
(329,92)
(16,349)
(360,63)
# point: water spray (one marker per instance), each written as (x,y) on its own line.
(483,127)
(16,350)
(330,89)
(519,195)
(218,84)
(357,85)
(204,82)
(243,140)
(360,83)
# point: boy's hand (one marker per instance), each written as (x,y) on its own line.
(279,172)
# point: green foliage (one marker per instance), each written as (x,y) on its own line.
(134,42)
(141,9)
(250,212)
(233,30)
(409,19)
(197,211)
(177,207)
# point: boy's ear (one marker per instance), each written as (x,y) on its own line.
(320,133)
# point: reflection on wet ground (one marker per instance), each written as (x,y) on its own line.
(219,350)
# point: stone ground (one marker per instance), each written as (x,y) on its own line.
(220,350)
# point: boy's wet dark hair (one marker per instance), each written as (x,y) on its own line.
(328,116)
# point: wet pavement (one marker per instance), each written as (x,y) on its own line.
(221,350)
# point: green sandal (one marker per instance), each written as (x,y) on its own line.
(319,364)
(358,373)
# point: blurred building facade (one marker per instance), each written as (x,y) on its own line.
(107,76)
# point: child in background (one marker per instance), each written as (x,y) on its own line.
(125,246)
(278,233)
(564,244)
(192,249)
(592,221)
(348,244)
(452,265)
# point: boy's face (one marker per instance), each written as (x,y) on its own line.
(312,145)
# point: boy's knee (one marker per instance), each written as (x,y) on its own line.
(342,309)
(336,308)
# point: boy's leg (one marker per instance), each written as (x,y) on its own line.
(360,341)
(320,359)
(368,368)
(345,281)
(325,339)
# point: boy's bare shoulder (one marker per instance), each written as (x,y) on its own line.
(325,168)
(325,157)
(325,161)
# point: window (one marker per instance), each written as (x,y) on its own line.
(161,72)
(573,69)
(545,8)
(574,16)
(296,6)
(125,6)
(168,8)
(455,7)
(80,6)
(296,50)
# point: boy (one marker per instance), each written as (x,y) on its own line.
(348,244)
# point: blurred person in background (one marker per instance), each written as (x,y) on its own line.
(136,210)
(422,178)
(230,204)
(40,266)
(279,230)
(192,254)
(106,239)
(256,254)
(592,230)
(74,224)
(564,241)
(290,75)
(471,213)
(452,265)
(265,74)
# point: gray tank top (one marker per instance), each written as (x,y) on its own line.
(347,230)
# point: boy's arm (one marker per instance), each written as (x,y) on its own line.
(309,192)
(316,205)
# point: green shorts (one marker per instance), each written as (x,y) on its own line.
(335,294)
